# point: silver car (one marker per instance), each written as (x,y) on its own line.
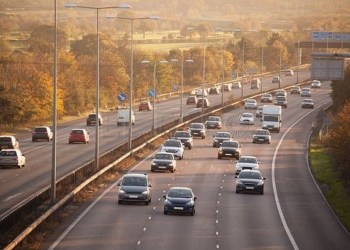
(251,104)
(12,157)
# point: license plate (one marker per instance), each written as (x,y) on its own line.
(161,167)
(261,139)
(133,196)
(228,154)
(178,208)
(212,125)
(249,187)
(8,159)
(195,133)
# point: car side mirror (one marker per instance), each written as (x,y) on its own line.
(164,196)
(264,178)
(23,155)
(236,176)
(149,185)
(195,198)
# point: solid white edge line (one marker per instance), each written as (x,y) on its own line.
(75,222)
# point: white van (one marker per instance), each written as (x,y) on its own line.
(123,117)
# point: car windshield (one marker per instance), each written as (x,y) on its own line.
(179,193)
(247,115)
(8,153)
(308,100)
(77,132)
(250,101)
(172,144)
(267,96)
(225,135)
(262,132)
(250,175)
(213,119)
(270,118)
(134,181)
(196,126)
(163,156)
(229,144)
(181,134)
(247,160)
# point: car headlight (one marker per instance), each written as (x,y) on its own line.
(190,203)
(220,151)
(145,192)
(215,140)
(121,191)
(239,182)
(238,167)
(260,184)
(171,164)
(167,202)
(154,164)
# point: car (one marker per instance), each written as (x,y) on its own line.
(250,104)
(266,98)
(305,92)
(259,111)
(197,130)
(191,100)
(12,157)
(288,72)
(250,181)
(213,122)
(135,187)
(200,93)
(163,161)
(236,85)
(247,162)
(227,87)
(255,83)
(276,79)
(175,147)
(295,90)
(79,135)
(281,92)
(206,103)
(307,103)
(145,105)
(185,137)
(230,149)
(8,142)
(42,133)
(91,119)
(262,136)
(214,91)
(219,137)
(246,118)
(315,84)
(281,101)
(180,200)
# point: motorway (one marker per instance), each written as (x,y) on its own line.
(292,214)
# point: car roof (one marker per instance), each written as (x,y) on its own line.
(136,174)
(9,149)
(187,188)
(251,171)
(247,156)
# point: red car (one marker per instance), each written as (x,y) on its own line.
(79,135)
(145,105)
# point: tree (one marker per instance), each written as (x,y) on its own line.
(341,91)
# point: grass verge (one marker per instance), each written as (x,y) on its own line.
(329,181)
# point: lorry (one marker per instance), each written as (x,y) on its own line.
(124,117)
(272,118)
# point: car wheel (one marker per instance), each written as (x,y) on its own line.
(173,170)
(253,141)
(70,142)
(33,140)
(269,142)
(190,147)
(262,192)
(203,136)
(192,213)
(146,202)
(165,212)
(219,157)
(120,202)
(152,170)
(237,192)
(19,166)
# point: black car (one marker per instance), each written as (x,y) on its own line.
(42,133)
(200,103)
(219,137)
(262,136)
(213,122)
(214,91)
(91,120)
(163,161)
(250,181)
(180,200)
(230,149)
(135,188)
(185,137)
(197,130)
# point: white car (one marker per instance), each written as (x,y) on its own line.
(251,104)
(199,93)
(247,162)
(315,84)
(259,111)
(246,118)
(12,157)
(236,85)
(174,147)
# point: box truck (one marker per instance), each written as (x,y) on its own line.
(272,118)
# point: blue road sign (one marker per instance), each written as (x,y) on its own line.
(175,86)
(322,35)
(234,74)
(152,93)
(121,97)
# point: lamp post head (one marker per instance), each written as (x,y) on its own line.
(70,5)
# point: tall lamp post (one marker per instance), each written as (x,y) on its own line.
(123,6)
(203,77)
(154,88)
(182,84)
(132,66)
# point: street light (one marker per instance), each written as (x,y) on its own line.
(203,83)
(132,66)
(123,6)
(182,84)
(154,87)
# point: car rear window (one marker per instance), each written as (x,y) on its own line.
(92,116)
(5,139)
(40,130)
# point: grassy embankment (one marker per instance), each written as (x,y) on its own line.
(332,186)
